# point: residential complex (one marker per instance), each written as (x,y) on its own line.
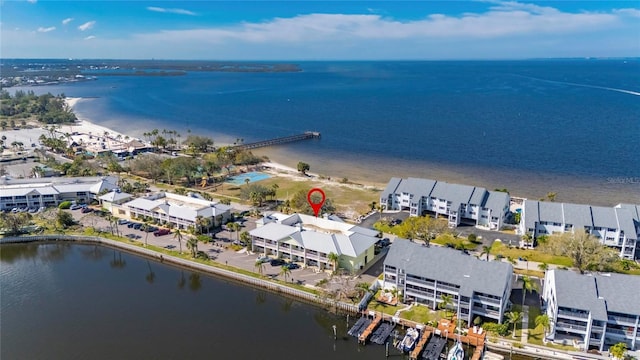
(310,240)
(593,310)
(459,203)
(424,274)
(617,227)
(178,210)
(45,192)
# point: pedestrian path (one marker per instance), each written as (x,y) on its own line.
(525,324)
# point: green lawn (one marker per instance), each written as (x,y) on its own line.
(499,248)
(456,242)
(385,308)
(420,314)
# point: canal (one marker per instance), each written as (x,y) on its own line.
(76,301)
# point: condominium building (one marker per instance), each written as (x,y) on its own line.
(459,203)
(310,240)
(44,192)
(593,310)
(179,210)
(617,227)
(424,274)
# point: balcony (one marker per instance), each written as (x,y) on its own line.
(624,320)
(571,327)
(620,333)
(429,284)
(486,312)
(448,288)
(486,299)
(574,314)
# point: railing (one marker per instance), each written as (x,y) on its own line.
(570,327)
(279,288)
(448,288)
(486,298)
(573,313)
(623,319)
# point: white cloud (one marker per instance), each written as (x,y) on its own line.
(628,12)
(86,26)
(66,21)
(172,11)
(89,37)
(44,30)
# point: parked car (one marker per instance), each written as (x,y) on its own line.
(86,210)
(263,259)
(149,228)
(276,262)
(384,242)
(137,226)
(131,225)
(292,266)
(122,221)
(161,232)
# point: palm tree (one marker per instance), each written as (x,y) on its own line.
(333,257)
(145,227)
(446,302)
(275,188)
(192,244)
(234,226)
(618,350)
(200,222)
(285,272)
(247,181)
(245,237)
(486,250)
(543,321)
(543,266)
(513,317)
(259,265)
(178,235)
(527,286)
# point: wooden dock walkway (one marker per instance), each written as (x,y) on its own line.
(367,332)
(277,141)
(426,334)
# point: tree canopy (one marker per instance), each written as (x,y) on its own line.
(584,249)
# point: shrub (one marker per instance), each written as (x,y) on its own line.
(500,329)
(64,205)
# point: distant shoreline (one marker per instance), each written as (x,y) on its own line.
(604,192)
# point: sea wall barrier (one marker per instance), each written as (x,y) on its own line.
(164,258)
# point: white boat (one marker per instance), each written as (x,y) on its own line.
(409,340)
(456,352)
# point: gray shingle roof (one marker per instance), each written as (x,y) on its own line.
(450,266)
(496,201)
(577,215)
(391,187)
(479,197)
(550,212)
(626,222)
(530,214)
(417,187)
(604,217)
(115,196)
(621,292)
(580,292)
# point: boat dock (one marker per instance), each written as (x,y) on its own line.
(382,333)
(367,332)
(277,141)
(426,333)
(359,327)
(434,348)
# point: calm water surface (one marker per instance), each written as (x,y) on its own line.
(64,301)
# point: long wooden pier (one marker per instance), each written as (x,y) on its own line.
(281,140)
(367,332)
(426,333)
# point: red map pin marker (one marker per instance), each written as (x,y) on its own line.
(316,206)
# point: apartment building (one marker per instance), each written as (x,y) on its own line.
(617,227)
(34,193)
(424,274)
(180,210)
(310,240)
(593,310)
(458,203)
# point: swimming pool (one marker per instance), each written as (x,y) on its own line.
(252,176)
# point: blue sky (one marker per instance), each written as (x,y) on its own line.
(327,30)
